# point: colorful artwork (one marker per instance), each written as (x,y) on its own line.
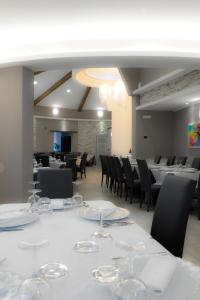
(194,134)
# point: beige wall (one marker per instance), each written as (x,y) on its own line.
(16,133)
(121,126)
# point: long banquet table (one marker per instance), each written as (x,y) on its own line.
(160,172)
(63,229)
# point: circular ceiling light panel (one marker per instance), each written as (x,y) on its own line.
(96,77)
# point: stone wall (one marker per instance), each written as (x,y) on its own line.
(188,80)
(87,132)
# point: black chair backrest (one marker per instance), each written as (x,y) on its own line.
(172,212)
(129,175)
(196,163)
(44,159)
(171,160)
(83,161)
(181,160)
(118,168)
(145,175)
(103,161)
(157,159)
(113,168)
(108,166)
(55,183)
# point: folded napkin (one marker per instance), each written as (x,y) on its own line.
(157,273)
(97,206)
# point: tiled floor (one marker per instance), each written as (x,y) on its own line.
(91,189)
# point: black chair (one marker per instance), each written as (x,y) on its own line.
(157,159)
(44,159)
(181,160)
(82,168)
(148,189)
(171,160)
(131,179)
(104,169)
(196,196)
(111,173)
(114,173)
(71,164)
(196,163)
(172,212)
(120,179)
(55,183)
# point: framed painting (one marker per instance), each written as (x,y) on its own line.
(194,135)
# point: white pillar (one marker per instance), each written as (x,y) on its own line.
(16,133)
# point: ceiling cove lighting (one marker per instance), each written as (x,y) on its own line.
(35,82)
(55,111)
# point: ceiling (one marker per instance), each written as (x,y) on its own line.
(127,33)
(60,97)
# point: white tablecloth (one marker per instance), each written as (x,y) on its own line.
(56,164)
(63,229)
(160,172)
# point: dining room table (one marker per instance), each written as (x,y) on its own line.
(63,228)
(160,171)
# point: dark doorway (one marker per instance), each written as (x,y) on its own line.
(65,142)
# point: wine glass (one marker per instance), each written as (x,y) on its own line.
(35,289)
(44,205)
(33,200)
(86,246)
(106,274)
(34,247)
(129,289)
(53,270)
(101,233)
(76,184)
(133,247)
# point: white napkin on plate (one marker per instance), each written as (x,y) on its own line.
(95,207)
(157,273)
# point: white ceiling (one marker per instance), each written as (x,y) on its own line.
(60,97)
(34,31)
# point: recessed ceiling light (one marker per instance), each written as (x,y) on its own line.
(186,103)
(55,111)
(35,82)
(100,113)
(68,91)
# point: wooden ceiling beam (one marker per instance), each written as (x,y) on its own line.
(53,88)
(84,99)
(38,72)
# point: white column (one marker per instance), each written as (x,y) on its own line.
(16,133)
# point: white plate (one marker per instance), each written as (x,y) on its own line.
(118,214)
(20,221)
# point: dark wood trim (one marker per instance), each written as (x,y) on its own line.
(53,88)
(83,100)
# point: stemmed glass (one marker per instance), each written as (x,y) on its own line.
(34,199)
(134,248)
(78,198)
(34,287)
(101,233)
